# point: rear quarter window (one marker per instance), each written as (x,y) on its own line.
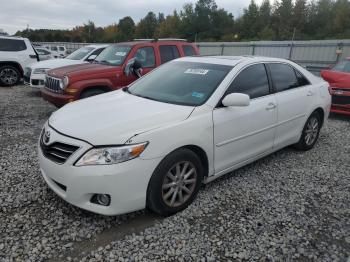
(188,50)
(168,53)
(12,45)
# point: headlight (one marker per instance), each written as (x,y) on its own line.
(111,155)
(65,81)
(40,70)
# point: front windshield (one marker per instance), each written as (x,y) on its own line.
(343,66)
(183,83)
(113,55)
(80,53)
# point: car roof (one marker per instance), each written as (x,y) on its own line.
(97,45)
(230,60)
(150,41)
(13,37)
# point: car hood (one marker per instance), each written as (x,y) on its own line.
(114,117)
(336,79)
(87,69)
(55,63)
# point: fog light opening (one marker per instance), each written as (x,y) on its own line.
(101,199)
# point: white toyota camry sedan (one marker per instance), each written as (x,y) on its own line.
(152,144)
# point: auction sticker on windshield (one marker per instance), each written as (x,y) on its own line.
(120,53)
(196,71)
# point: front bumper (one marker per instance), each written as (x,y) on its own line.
(58,99)
(341,102)
(35,80)
(126,182)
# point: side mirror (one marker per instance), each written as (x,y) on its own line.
(236,99)
(91,58)
(133,66)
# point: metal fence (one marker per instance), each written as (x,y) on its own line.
(314,55)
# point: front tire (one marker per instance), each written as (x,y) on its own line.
(311,132)
(175,182)
(9,75)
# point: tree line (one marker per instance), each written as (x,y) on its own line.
(205,21)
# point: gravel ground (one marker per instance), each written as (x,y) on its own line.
(288,206)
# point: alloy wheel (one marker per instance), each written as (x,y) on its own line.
(9,76)
(311,131)
(179,184)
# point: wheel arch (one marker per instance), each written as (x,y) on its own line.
(14,64)
(320,111)
(200,152)
(95,87)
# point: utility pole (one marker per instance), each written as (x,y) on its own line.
(291,45)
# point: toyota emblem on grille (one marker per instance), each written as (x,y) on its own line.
(47,137)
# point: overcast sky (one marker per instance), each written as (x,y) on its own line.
(65,14)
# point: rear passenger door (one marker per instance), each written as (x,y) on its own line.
(168,53)
(294,96)
(241,133)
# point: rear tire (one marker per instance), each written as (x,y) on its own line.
(311,132)
(92,92)
(175,182)
(9,75)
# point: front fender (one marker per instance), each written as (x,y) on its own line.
(197,130)
(82,85)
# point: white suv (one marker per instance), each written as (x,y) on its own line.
(35,74)
(16,53)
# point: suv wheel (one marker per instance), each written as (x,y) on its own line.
(92,92)
(175,182)
(310,133)
(9,75)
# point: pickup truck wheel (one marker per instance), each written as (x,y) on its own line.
(91,92)
(9,75)
(175,182)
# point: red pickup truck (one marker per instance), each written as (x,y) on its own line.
(115,67)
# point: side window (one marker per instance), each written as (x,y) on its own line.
(252,81)
(12,45)
(188,50)
(54,48)
(145,55)
(283,76)
(302,80)
(168,52)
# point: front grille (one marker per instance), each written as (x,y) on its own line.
(341,89)
(53,84)
(57,152)
(341,100)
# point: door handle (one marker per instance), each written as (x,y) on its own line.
(270,106)
(310,93)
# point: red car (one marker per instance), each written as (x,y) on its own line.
(339,80)
(115,67)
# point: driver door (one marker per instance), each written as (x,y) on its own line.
(242,133)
